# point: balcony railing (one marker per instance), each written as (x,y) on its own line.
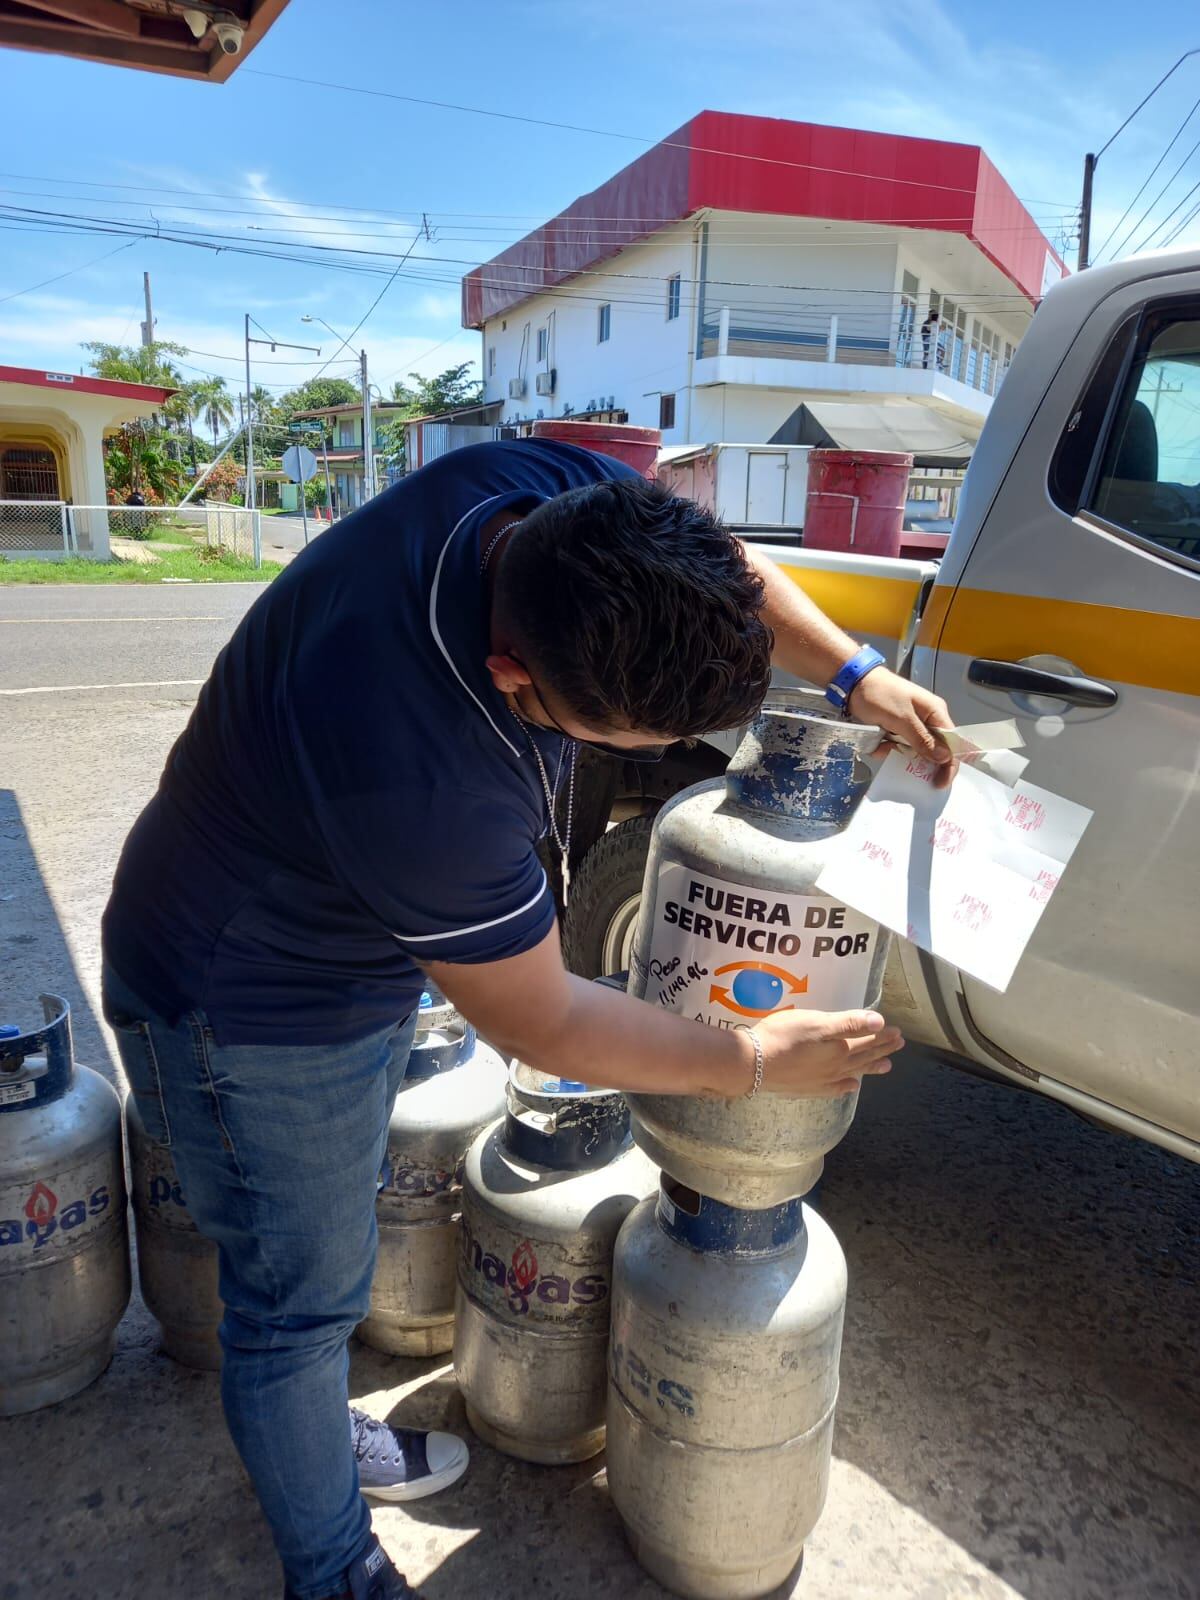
(854,338)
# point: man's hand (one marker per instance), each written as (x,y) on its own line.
(528,1006)
(907,714)
(824,1053)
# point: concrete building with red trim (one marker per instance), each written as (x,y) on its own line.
(52,429)
(759,280)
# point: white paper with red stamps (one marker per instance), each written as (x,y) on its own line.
(963,872)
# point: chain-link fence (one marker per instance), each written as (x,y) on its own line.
(233,528)
(51,528)
(35,526)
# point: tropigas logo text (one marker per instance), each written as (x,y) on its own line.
(521,1280)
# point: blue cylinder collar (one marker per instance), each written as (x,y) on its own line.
(38,1067)
(716,1229)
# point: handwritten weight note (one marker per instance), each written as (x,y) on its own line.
(963,872)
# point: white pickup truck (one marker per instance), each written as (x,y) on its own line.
(1068,598)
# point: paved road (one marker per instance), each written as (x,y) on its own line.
(1020,1410)
(284,536)
(60,635)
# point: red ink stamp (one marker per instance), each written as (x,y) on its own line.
(1026,813)
(949,836)
(1043,886)
(973,913)
(877,853)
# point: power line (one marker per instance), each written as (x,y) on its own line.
(606,133)
(424,232)
(70,272)
(1145,182)
(219,241)
(1056,207)
(1159,226)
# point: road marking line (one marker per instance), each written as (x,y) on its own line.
(188,617)
(79,688)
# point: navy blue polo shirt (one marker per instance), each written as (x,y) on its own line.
(351,795)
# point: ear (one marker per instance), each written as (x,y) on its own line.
(507,673)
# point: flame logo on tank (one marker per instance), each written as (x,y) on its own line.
(755,988)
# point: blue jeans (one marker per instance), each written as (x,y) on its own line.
(279,1150)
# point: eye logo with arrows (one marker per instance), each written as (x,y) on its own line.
(756,989)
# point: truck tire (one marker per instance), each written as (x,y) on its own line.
(602,908)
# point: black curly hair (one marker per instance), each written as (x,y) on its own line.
(639,609)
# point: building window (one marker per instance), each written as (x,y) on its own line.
(666,411)
(491,360)
(908,320)
(673,285)
(543,343)
(603,324)
(345,434)
(28,472)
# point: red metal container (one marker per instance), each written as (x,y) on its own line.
(856,501)
(638,447)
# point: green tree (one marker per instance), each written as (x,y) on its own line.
(429,397)
(316,395)
(211,400)
(449,391)
(137,363)
(137,459)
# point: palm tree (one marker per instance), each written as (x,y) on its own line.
(211,400)
(262,402)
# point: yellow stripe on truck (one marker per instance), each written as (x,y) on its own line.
(859,602)
(1151,649)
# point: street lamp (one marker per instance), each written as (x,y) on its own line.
(368,441)
(1090,163)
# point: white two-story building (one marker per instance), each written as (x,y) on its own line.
(766,281)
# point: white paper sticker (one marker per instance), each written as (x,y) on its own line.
(729,956)
(12,1094)
(963,872)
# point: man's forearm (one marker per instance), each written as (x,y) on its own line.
(807,643)
(608,1040)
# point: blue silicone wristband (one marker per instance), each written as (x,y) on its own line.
(851,675)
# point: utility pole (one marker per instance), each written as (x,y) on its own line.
(1090,163)
(148,325)
(1085,212)
(249,428)
(368,434)
(275,344)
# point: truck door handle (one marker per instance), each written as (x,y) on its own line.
(1017,679)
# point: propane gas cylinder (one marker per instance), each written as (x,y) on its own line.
(64,1241)
(723,1368)
(177,1265)
(732,929)
(453,1087)
(545,1191)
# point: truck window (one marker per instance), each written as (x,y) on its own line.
(1148,481)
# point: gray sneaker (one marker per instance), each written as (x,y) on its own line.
(397,1464)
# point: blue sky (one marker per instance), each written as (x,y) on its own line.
(1035,84)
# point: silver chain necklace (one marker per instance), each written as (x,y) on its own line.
(495,540)
(561,840)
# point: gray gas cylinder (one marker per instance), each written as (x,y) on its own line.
(454,1087)
(723,1367)
(733,929)
(545,1191)
(177,1265)
(64,1240)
